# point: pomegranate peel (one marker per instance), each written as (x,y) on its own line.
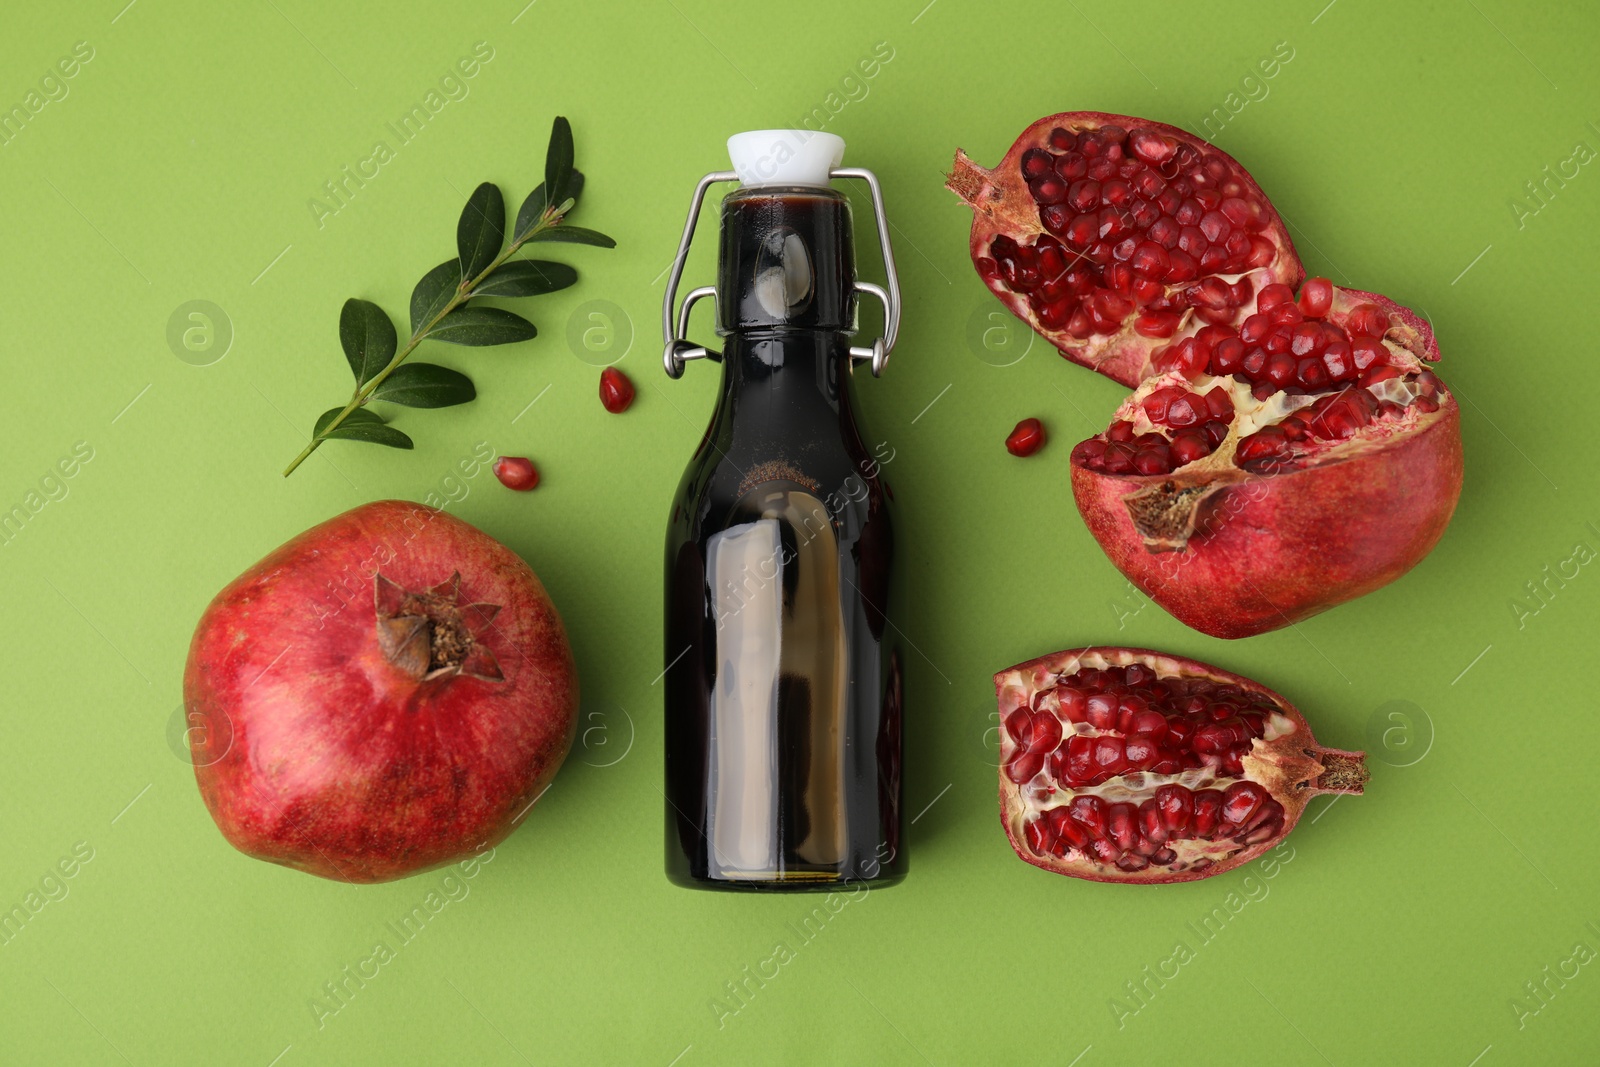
(1126,765)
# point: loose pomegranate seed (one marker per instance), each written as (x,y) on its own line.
(1027,438)
(616,390)
(516,472)
(1316,298)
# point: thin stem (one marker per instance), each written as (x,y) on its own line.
(464,292)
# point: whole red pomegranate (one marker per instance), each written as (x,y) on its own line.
(1281,454)
(386,693)
(1124,765)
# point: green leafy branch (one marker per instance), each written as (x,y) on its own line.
(441,308)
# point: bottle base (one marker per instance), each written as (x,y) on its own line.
(793,882)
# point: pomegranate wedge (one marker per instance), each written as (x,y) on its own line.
(1124,765)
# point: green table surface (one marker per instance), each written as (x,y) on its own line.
(1448,916)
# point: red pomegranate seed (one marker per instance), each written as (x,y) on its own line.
(1189,446)
(1254,328)
(1140,752)
(1121,821)
(1240,801)
(1156,323)
(1367,319)
(1207,812)
(1305,339)
(1280,369)
(1366,352)
(1311,373)
(616,391)
(1024,765)
(1152,461)
(1285,315)
(1090,811)
(1337,361)
(1266,443)
(1027,438)
(1187,410)
(1316,297)
(1228,357)
(1272,295)
(1048,189)
(516,472)
(1149,146)
(1100,711)
(1155,405)
(1036,163)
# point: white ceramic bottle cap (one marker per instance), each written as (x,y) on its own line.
(785,157)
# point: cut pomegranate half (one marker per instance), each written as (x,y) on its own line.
(1125,765)
(1270,472)
(1282,453)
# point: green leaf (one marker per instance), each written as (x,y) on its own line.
(558,162)
(527,277)
(533,207)
(482,230)
(482,326)
(425,385)
(436,289)
(358,416)
(574,235)
(368,338)
(375,433)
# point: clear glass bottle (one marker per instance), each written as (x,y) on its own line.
(783,685)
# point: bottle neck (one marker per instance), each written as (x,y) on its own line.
(785,308)
(786,261)
(794,365)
